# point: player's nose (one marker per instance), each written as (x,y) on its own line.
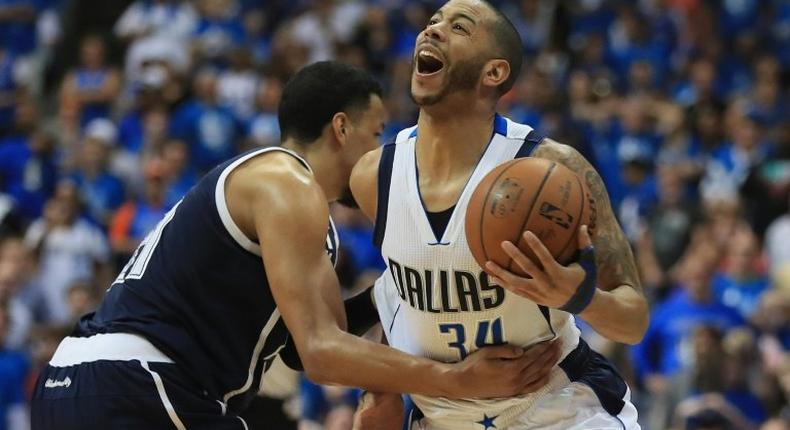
(435,32)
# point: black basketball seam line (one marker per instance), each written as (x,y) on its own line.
(578,220)
(532,206)
(485,205)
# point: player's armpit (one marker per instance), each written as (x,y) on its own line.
(364,182)
(361,313)
(619,310)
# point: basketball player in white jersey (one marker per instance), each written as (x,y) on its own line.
(435,300)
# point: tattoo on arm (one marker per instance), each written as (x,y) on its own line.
(613,255)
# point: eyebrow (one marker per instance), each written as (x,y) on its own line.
(465,16)
(440,14)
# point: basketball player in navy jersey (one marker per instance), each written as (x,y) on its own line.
(434,300)
(242,264)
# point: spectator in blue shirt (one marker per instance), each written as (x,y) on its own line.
(90,89)
(14,368)
(210,129)
(781,36)
(27,171)
(702,84)
(179,175)
(665,348)
(148,97)
(738,16)
(264,128)
(18,26)
(731,163)
(101,191)
(630,40)
(768,103)
(533,19)
(218,30)
(139,215)
(740,285)
(9,91)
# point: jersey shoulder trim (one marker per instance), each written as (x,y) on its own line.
(222,207)
(531,141)
(383,196)
(515,130)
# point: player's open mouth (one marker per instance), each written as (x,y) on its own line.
(428,63)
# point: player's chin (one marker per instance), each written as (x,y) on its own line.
(425,96)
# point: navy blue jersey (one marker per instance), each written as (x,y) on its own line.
(196,288)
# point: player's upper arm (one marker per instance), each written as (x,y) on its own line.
(291,217)
(364,182)
(612,251)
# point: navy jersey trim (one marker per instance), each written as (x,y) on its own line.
(594,370)
(394,316)
(385,179)
(533,139)
(547,316)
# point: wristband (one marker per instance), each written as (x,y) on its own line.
(586,290)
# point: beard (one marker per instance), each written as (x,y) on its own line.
(462,75)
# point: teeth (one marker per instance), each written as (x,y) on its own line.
(425,53)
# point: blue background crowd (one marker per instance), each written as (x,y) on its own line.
(110,111)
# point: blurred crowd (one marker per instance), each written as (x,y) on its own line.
(111,111)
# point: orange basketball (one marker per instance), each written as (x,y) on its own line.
(533,194)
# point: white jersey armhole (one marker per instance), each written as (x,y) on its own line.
(222,206)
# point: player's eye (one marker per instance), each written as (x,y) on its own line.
(459,27)
(433,21)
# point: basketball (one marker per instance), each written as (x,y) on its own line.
(532,194)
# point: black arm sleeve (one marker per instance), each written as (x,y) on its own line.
(361,315)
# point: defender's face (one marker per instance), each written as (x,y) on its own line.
(364,132)
(449,53)
(366,129)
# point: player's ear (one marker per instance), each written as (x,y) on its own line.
(340,127)
(495,72)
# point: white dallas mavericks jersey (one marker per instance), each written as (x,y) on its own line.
(434,300)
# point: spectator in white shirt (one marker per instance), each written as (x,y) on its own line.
(69,249)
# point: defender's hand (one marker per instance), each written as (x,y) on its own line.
(552,286)
(379,411)
(504,371)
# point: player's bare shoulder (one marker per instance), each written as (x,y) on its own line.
(364,182)
(571,158)
(276,183)
(561,153)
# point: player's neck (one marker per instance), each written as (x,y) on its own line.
(450,143)
(324,166)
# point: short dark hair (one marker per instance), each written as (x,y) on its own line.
(317,92)
(508,45)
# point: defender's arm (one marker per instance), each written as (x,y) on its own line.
(292,234)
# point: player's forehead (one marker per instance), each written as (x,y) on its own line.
(477,10)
